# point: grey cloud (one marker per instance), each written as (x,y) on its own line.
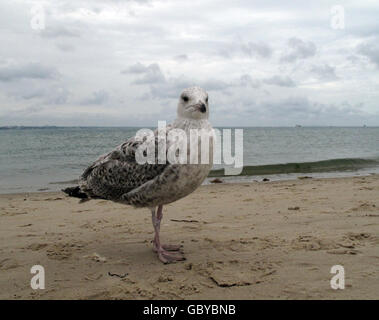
(324,72)
(135,68)
(162,87)
(224,52)
(371,51)
(250,49)
(58,95)
(298,49)
(59,31)
(289,107)
(247,81)
(55,95)
(293,106)
(170,88)
(353,58)
(281,81)
(214,85)
(27,71)
(46,93)
(153,75)
(65,47)
(173,86)
(181,57)
(97,98)
(260,49)
(150,74)
(302,110)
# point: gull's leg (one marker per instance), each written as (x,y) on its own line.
(168,247)
(163,251)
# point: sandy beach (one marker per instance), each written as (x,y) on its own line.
(258,240)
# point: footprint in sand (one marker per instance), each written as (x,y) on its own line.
(311,243)
(8,263)
(223,273)
(14,213)
(62,251)
(344,251)
(36,246)
(366,206)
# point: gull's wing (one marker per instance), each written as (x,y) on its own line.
(117,173)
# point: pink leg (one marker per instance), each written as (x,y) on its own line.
(163,251)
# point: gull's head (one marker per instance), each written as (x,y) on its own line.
(193,104)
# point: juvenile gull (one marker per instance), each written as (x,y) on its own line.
(118,177)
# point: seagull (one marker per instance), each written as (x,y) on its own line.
(119,177)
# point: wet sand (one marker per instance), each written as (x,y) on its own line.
(258,240)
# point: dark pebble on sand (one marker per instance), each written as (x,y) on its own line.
(216,181)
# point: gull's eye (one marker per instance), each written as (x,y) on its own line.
(185,98)
(206,100)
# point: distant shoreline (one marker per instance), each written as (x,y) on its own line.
(115,127)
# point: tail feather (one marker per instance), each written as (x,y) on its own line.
(75,192)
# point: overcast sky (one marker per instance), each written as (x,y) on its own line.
(124,63)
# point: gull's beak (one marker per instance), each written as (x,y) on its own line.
(201,106)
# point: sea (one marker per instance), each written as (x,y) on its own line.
(36,159)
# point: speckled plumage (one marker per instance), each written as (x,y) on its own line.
(118,177)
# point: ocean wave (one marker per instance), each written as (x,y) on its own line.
(332,165)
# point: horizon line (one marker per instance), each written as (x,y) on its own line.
(222,126)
